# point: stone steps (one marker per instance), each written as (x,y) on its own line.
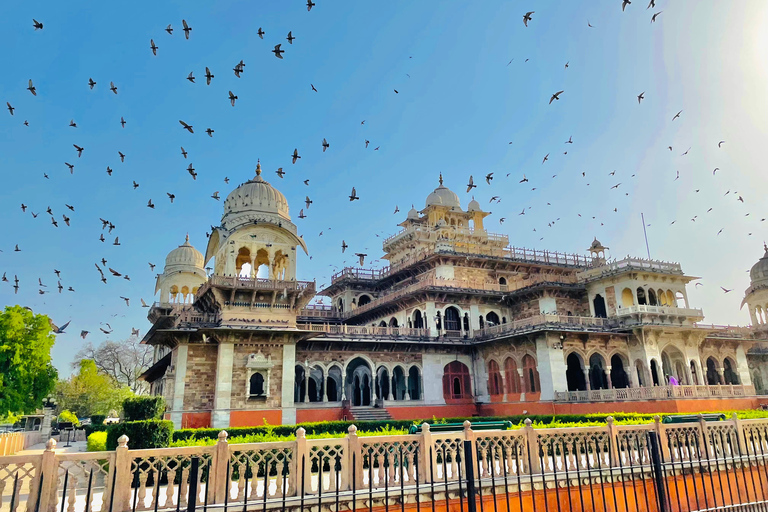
(370,414)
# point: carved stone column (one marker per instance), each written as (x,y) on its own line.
(608,377)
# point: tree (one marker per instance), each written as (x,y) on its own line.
(124,361)
(26,372)
(90,392)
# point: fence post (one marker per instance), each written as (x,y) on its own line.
(302,462)
(533,447)
(122,475)
(660,433)
(658,474)
(427,451)
(353,454)
(45,481)
(219,468)
(703,431)
(469,454)
(613,436)
(739,433)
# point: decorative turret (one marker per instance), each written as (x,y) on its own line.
(182,276)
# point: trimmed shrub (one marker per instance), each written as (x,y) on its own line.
(97,442)
(68,416)
(141,434)
(90,429)
(98,419)
(140,408)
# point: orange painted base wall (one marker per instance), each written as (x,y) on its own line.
(313,415)
(255,418)
(196,420)
(439,411)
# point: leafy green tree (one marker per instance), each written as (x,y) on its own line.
(26,372)
(90,392)
(68,416)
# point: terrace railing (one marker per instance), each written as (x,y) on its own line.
(369,470)
(654,393)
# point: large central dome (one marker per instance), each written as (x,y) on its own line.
(443,196)
(257,196)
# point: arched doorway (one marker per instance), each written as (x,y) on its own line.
(452,319)
(414,383)
(713,378)
(359,382)
(492,319)
(641,297)
(619,378)
(382,383)
(729,372)
(530,375)
(398,383)
(599,304)
(333,384)
(456,381)
(574,374)
(363,300)
(654,372)
(597,378)
(673,364)
(512,376)
(495,384)
(393,322)
(418,320)
(299,384)
(694,374)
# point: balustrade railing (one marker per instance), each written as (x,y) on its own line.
(302,472)
(654,393)
(367,330)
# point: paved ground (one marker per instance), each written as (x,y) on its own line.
(61,447)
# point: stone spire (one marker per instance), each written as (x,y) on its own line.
(258,167)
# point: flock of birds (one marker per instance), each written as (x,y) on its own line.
(106,271)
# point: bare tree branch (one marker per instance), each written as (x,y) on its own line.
(124,361)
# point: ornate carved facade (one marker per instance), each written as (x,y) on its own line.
(459,323)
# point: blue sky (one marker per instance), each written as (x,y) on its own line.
(460,103)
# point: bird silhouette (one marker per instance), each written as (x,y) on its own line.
(527,17)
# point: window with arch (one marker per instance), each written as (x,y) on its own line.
(452,319)
(641,299)
(627,298)
(530,375)
(456,381)
(393,322)
(729,371)
(363,300)
(492,319)
(418,320)
(495,384)
(503,281)
(671,298)
(256,385)
(511,375)
(382,324)
(652,297)
(414,383)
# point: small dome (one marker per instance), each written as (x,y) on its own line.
(184,256)
(596,244)
(256,195)
(473,206)
(443,196)
(413,214)
(759,272)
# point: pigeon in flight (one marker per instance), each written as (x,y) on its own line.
(186,127)
(113,87)
(295,156)
(527,17)
(169,29)
(555,96)
(37,24)
(187,28)
(278,52)
(471,184)
(31,88)
(232,98)
(640,97)
(153,46)
(208,76)
(290,38)
(353,195)
(325,145)
(91,83)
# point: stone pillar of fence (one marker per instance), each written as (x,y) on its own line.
(703,436)
(122,476)
(469,435)
(613,436)
(658,427)
(739,433)
(533,447)
(427,451)
(49,481)
(302,463)
(219,468)
(354,463)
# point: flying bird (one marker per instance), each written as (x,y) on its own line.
(313,87)
(122,122)
(343,246)
(183,152)
(362,257)
(232,98)
(353,195)
(653,18)
(169,29)
(186,127)
(280,172)
(624,4)
(555,96)
(295,156)
(278,52)
(121,155)
(171,196)
(471,184)
(113,87)
(153,46)
(208,76)
(10,108)
(524,180)
(546,157)
(489,178)
(91,83)
(79,150)
(726,290)
(718,144)
(215,195)
(301,214)
(290,38)
(310,5)
(261,33)
(677,115)
(527,17)
(191,76)
(37,24)
(325,145)
(210,131)
(640,97)
(31,88)
(187,28)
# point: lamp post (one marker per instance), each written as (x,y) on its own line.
(49,407)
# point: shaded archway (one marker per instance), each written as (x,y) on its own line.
(530,375)
(398,383)
(418,320)
(599,305)
(597,379)
(627,298)
(492,319)
(393,322)
(414,383)
(619,377)
(382,383)
(456,381)
(333,384)
(451,320)
(363,300)
(359,382)
(673,364)
(256,385)
(512,376)
(713,378)
(652,297)
(495,384)
(695,374)
(299,384)
(641,300)
(654,372)
(574,373)
(730,373)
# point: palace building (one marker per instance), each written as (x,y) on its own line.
(459,323)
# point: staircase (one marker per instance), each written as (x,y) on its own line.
(370,413)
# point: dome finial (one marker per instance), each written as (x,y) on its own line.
(187,239)
(258,167)
(441,179)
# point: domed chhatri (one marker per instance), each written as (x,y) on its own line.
(759,272)
(184,256)
(413,213)
(443,196)
(182,276)
(473,206)
(255,195)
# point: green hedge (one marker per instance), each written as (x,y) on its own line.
(97,442)
(141,434)
(90,429)
(140,408)
(341,427)
(98,419)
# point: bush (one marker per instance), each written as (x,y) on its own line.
(140,408)
(97,442)
(98,419)
(90,429)
(141,434)
(68,416)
